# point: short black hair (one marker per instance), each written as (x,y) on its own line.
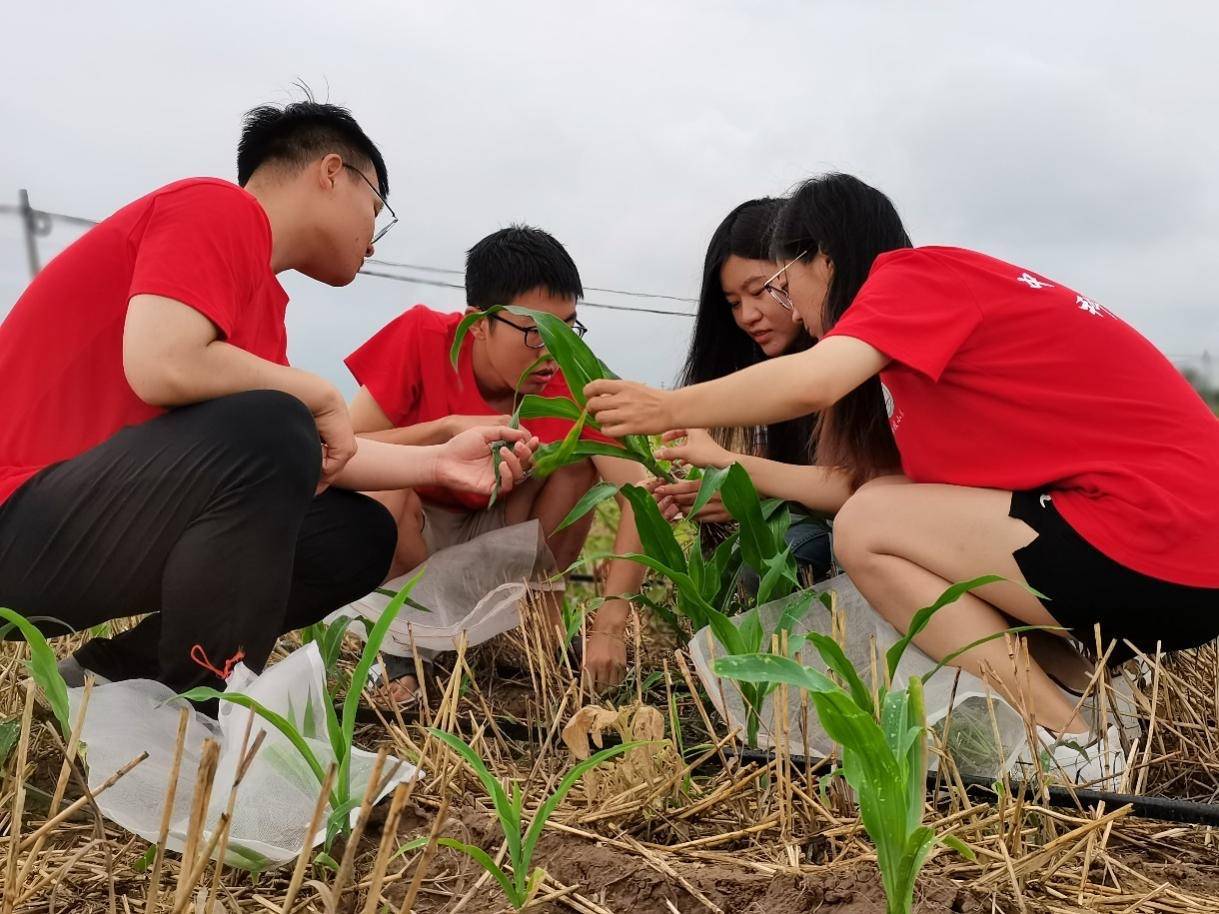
(300,132)
(515,260)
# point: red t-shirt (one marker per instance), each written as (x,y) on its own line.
(1003,379)
(406,368)
(202,241)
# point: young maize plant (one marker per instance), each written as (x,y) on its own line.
(523,883)
(580,366)
(706,587)
(883,741)
(340,731)
(42,667)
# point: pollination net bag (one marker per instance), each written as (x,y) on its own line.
(276,799)
(474,587)
(985,734)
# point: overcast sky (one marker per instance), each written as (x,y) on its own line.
(1077,139)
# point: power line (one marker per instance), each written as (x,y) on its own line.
(452,272)
(418,280)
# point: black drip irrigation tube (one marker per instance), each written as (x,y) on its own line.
(1165,809)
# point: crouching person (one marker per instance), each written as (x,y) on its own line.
(160,456)
(410,394)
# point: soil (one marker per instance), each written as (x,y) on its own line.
(627,884)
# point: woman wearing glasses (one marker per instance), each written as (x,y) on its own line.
(1041,438)
(739,323)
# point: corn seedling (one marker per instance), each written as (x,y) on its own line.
(42,666)
(340,731)
(520,886)
(883,742)
(580,367)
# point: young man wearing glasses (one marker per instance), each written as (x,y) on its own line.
(410,394)
(159,455)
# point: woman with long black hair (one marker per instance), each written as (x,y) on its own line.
(1038,437)
(739,324)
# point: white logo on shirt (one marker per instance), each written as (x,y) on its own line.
(888,395)
(1086,304)
(1045,500)
(1033,282)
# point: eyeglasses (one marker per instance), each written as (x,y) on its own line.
(386,218)
(533,336)
(781,294)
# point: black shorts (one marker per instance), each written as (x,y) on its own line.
(1086,588)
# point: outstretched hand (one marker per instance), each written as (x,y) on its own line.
(629,408)
(466,461)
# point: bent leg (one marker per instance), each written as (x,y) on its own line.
(904,544)
(193,515)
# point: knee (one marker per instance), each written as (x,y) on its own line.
(858,525)
(367,541)
(272,430)
(580,476)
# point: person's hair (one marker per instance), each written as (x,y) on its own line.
(719,347)
(303,131)
(516,260)
(851,223)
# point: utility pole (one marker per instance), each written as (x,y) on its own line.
(28,223)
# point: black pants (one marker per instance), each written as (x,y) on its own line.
(204,517)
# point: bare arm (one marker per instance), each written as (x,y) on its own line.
(622,577)
(371,423)
(173,356)
(772,391)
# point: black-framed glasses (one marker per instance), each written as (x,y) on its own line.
(533,336)
(386,218)
(780,293)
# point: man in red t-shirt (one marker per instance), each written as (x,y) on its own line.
(159,455)
(410,394)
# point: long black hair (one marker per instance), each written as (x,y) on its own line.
(851,223)
(719,347)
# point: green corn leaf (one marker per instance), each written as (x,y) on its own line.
(793,612)
(571,439)
(509,817)
(412,845)
(10,732)
(1015,630)
(576,360)
(779,576)
(483,859)
(145,860)
(835,659)
(921,618)
(655,532)
(331,643)
(713,480)
(535,407)
(359,678)
(529,369)
(546,458)
(276,720)
(751,635)
(769,668)
(665,614)
(552,802)
(959,846)
(43,669)
(463,328)
(741,500)
(918,847)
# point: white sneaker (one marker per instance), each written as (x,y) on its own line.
(1081,759)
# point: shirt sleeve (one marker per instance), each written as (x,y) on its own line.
(388,365)
(207,246)
(916,309)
